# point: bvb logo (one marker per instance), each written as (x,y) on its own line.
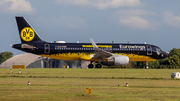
(27,34)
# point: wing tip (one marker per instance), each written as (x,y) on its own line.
(93,43)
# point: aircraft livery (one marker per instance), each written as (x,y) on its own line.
(102,53)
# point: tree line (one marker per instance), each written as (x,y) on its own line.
(4,56)
(172,62)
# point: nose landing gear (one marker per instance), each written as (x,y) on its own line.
(147,67)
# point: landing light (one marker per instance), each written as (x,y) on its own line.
(162,55)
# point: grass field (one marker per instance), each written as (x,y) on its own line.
(71,84)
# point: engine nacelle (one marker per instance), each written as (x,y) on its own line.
(121,60)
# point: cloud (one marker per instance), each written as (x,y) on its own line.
(64,21)
(136,19)
(134,12)
(101,4)
(134,22)
(16,6)
(171,19)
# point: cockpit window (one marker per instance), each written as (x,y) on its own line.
(158,49)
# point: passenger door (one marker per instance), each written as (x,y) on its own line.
(46,48)
(149,50)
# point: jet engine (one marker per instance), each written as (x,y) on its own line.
(121,60)
(117,60)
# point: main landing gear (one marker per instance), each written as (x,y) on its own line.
(96,66)
(91,66)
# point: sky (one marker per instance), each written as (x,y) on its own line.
(155,22)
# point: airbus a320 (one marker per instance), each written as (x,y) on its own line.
(101,53)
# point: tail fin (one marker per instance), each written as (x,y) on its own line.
(26,32)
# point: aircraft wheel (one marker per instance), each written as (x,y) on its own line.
(90,66)
(98,65)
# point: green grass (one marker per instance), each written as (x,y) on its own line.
(71,84)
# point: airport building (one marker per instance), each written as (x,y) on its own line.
(36,61)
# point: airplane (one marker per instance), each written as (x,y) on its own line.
(102,53)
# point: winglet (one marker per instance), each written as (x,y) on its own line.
(93,43)
(99,53)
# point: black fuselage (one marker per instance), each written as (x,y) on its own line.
(135,52)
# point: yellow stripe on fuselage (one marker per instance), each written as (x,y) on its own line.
(88,56)
(100,46)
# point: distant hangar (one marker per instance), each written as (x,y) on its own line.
(36,61)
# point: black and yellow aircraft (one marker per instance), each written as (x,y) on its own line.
(102,53)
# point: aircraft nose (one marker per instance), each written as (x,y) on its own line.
(167,54)
(164,55)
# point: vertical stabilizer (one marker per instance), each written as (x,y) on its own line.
(26,32)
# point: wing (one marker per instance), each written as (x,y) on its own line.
(99,53)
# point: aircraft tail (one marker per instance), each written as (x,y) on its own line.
(26,32)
